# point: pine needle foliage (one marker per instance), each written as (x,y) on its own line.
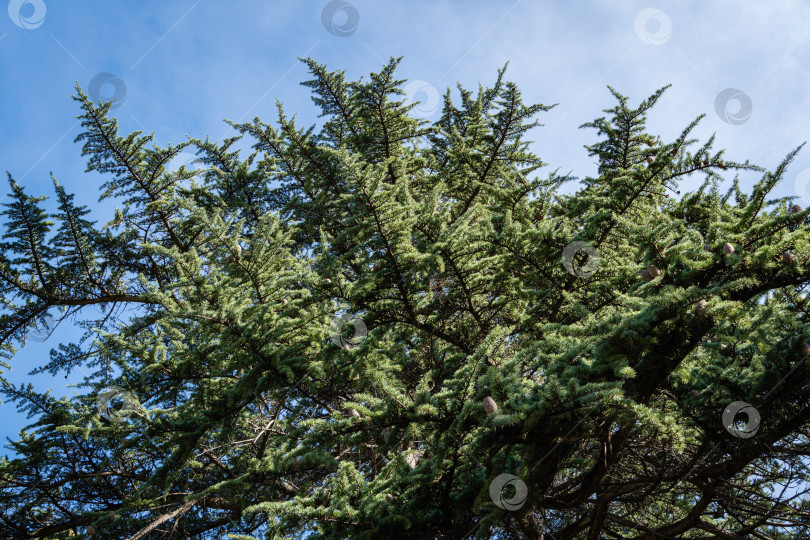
(299,344)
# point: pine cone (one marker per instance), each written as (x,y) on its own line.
(728,249)
(354,413)
(694,393)
(650,159)
(788,257)
(389,497)
(700,306)
(795,209)
(489,405)
(653,271)
(645,275)
(805,349)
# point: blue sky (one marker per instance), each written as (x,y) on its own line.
(187,65)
